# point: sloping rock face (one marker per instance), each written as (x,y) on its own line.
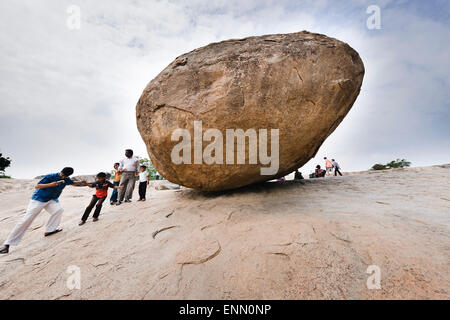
(163,185)
(297,86)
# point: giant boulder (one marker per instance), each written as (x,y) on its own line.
(302,84)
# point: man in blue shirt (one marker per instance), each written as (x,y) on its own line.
(45,197)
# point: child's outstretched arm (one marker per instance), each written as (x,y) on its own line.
(80,183)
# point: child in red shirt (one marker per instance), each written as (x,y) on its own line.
(101,192)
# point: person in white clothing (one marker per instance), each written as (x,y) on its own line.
(143,183)
(128,167)
(45,196)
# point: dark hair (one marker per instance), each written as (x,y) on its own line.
(117,163)
(144,167)
(101,175)
(324,157)
(67,171)
(129,150)
(332,159)
(318,167)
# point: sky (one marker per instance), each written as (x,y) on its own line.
(68,92)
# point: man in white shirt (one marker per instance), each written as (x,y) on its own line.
(129,168)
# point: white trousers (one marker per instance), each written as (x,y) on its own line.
(34,208)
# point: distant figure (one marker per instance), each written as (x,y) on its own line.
(117,176)
(336,167)
(319,173)
(101,186)
(46,195)
(157,175)
(143,183)
(328,166)
(128,167)
(298,175)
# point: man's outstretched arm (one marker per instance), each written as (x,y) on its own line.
(57,183)
(48,185)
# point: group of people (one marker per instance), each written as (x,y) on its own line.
(125,174)
(50,187)
(330,166)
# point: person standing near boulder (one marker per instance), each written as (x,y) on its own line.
(328,166)
(143,183)
(319,173)
(336,167)
(117,177)
(128,167)
(45,197)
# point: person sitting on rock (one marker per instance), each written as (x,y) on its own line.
(319,173)
(101,192)
(45,196)
(298,175)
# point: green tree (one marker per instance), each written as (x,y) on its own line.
(399,163)
(378,166)
(5,162)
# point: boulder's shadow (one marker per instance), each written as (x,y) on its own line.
(258,188)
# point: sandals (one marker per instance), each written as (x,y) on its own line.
(53,232)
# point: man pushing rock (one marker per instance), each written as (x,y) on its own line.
(45,197)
